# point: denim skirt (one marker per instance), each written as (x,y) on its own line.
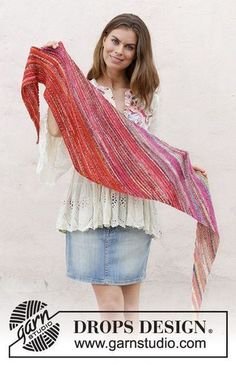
(108,255)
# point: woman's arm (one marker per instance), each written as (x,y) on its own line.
(54,159)
(52,125)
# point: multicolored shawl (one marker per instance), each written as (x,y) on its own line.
(115,152)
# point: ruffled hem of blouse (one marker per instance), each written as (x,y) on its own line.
(91,205)
(72,229)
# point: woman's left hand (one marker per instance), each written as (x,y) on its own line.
(197,168)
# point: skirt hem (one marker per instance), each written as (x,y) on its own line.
(106,282)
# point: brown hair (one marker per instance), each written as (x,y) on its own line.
(142,72)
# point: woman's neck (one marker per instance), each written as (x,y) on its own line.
(114,82)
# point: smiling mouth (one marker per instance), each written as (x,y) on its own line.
(116,58)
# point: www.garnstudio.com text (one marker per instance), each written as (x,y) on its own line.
(161,343)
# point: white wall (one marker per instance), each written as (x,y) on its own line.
(194,48)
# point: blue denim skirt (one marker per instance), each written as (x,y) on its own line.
(108,255)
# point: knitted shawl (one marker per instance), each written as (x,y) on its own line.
(113,151)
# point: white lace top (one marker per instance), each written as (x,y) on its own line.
(87,204)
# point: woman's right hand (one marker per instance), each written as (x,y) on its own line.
(53,44)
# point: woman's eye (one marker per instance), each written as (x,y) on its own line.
(114,41)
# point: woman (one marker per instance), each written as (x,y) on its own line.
(108,234)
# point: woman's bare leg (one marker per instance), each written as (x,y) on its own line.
(109,298)
(119,298)
(131,295)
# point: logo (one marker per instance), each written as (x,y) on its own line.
(34,326)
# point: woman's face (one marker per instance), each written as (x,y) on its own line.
(119,48)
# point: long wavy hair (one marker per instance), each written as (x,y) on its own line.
(141,73)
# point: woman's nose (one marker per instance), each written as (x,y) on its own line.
(119,49)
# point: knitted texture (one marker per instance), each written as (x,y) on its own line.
(113,151)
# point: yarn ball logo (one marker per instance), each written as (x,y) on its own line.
(34,325)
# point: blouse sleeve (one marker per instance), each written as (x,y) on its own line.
(154,118)
(54,159)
